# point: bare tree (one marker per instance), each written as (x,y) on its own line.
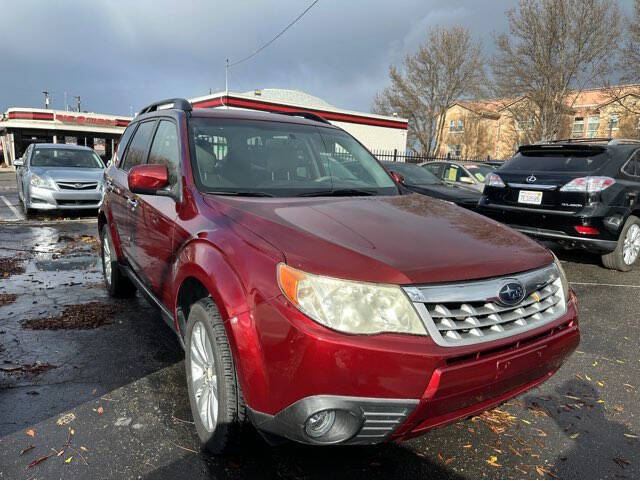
(447,66)
(628,65)
(553,50)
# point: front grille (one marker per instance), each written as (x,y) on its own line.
(468,313)
(77,185)
(78,202)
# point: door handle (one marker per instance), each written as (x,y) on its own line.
(132,202)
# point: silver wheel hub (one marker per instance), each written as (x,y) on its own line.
(106,258)
(204,381)
(631,247)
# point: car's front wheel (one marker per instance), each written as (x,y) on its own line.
(628,248)
(117,284)
(214,393)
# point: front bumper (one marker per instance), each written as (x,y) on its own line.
(385,392)
(49,199)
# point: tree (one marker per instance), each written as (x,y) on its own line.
(447,66)
(553,50)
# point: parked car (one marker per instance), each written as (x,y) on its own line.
(581,194)
(59,176)
(313,299)
(461,173)
(420,180)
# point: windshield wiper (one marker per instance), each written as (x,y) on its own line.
(338,193)
(239,193)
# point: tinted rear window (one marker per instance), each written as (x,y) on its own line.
(555,161)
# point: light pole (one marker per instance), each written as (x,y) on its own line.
(78,102)
(46,99)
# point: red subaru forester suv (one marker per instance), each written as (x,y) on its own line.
(314,297)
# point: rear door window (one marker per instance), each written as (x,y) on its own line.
(632,167)
(452,173)
(136,154)
(559,160)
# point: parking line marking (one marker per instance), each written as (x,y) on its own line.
(15,211)
(605,285)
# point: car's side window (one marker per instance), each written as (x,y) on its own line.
(165,149)
(136,153)
(122,144)
(632,167)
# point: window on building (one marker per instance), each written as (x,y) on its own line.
(614,122)
(456,126)
(454,150)
(452,126)
(592,126)
(460,126)
(578,127)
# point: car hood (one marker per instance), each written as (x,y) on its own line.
(406,239)
(447,192)
(69,174)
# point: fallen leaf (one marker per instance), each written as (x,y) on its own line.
(492,461)
(58,453)
(30,433)
(72,431)
(467,446)
(100,410)
(68,460)
(600,401)
(525,421)
(28,448)
(65,419)
(600,383)
(587,377)
(619,361)
(449,460)
(574,436)
(38,460)
(621,462)
(83,448)
(633,436)
(541,433)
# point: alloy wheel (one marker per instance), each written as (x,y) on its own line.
(631,247)
(204,380)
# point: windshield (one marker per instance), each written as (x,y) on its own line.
(280,159)
(480,171)
(557,161)
(413,174)
(52,157)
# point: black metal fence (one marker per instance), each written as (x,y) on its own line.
(417,158)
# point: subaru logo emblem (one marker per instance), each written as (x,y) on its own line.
(78,186)
(531,179)
(511,293)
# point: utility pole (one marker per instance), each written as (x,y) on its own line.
(78,102)
(226,82)
(66,103)
(46,99)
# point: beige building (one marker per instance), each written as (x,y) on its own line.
(495,128)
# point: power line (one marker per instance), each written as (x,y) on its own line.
(274,38)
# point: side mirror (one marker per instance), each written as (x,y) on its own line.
(399,178)
(149,179)
(466,180)
(19,162)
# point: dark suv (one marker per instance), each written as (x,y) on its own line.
(582,194)
(313,298)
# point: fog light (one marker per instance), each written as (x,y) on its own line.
(586,230)
(320,423)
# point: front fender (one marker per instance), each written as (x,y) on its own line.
(233,288)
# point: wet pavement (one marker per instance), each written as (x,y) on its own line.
(111,400)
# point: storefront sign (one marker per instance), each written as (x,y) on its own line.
(84,120)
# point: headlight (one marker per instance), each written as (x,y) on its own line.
(38,181)
(349,306)
(563,278)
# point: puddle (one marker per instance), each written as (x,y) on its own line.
(74,264)
(77,316)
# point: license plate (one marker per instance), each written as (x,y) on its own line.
(530,197)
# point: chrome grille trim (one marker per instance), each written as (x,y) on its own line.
(78,185)
(459,314)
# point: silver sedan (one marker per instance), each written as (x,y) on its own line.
(59,176)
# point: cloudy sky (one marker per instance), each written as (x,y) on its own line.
(120,55)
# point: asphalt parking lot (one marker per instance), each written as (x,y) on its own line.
(103,395)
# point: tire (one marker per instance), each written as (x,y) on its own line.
(220,429)
(117,284)
(630,235)
(25,210)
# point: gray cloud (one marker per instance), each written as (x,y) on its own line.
(117,54)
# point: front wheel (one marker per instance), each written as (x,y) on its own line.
(626,253)
(214,394)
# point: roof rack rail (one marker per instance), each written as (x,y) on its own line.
(623,141)
(306,115)
(177,103)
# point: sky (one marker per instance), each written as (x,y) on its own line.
(119,56)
